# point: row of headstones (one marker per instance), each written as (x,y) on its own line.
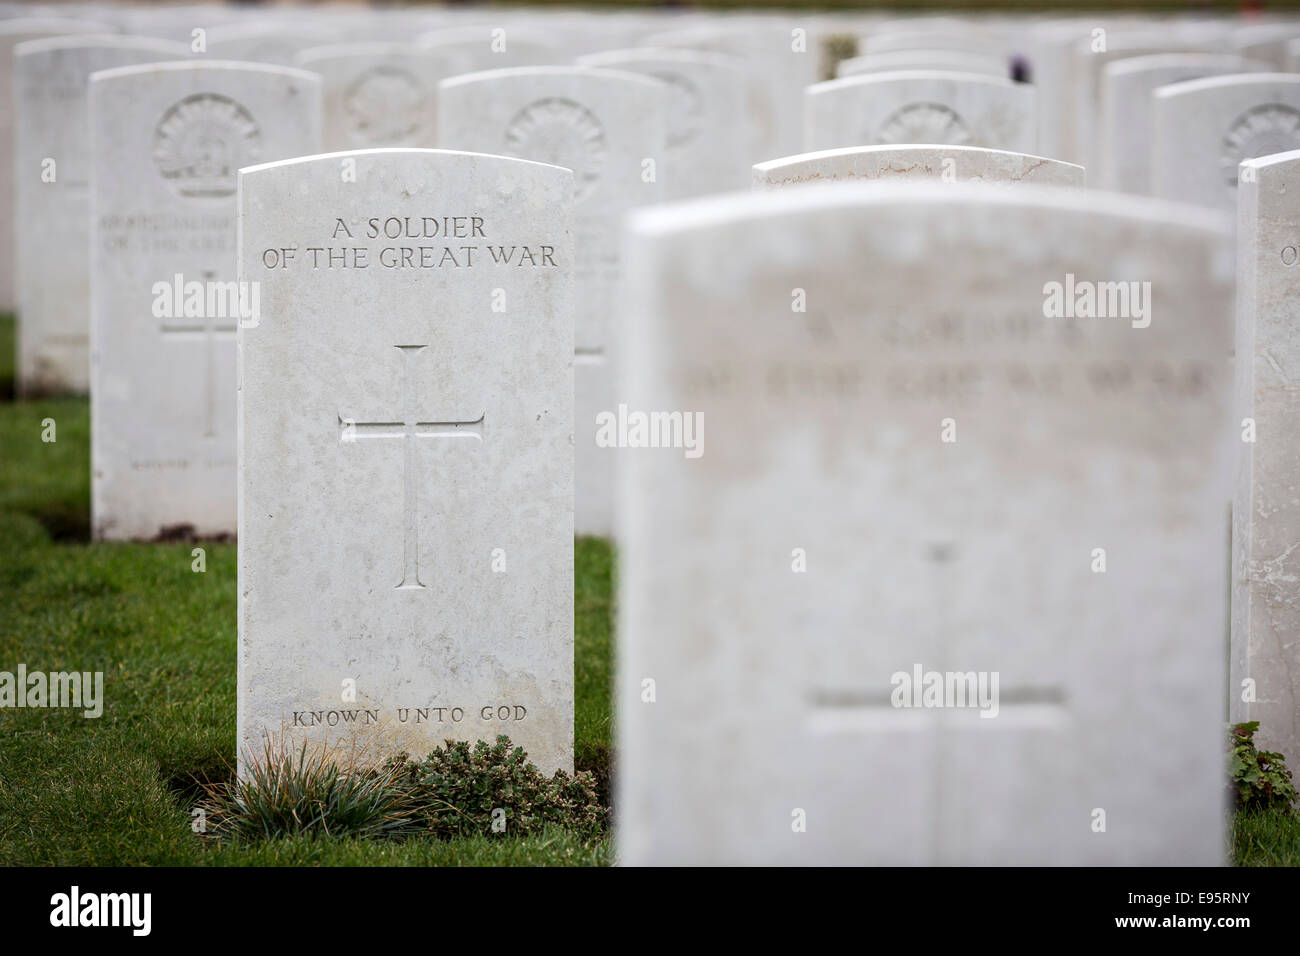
(608,127)
(949,564)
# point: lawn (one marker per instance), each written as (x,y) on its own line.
(117,790)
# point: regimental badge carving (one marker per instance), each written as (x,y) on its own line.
(384,107)
(201,143)
(685,109)
(924,123)
(1260,131)
(563,133)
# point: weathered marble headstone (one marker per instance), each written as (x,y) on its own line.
(1093,54)
(608,127)
(1051,47)
(920,106)
(961,61)
(955,479)
(779,63)
(946,164)
(1202,130)
(706,110)
(51,176)
(12,32)
(406,455)
(1124,151)
(378,94)
(163,267)
(1266,511)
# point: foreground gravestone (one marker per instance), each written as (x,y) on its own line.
(1124,150)
(406,457)
(1202,130)
(947,164)
(378,94)
(920,106)
(706,106)
(932,423)
(167,142)
(609,127)
(51,180)
(13,32)
(1265,668)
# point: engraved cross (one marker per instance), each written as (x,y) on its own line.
(209,332)
(408,429)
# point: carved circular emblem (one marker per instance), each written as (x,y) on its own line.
(924,123)
(1260,131)
(685,109)
(384,107)
(201,142)
(563,133)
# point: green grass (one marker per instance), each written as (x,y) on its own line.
(116,790)
(1266,838)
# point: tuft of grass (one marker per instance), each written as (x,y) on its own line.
(1266,838)
(284,794)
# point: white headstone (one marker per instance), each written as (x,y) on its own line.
(167,142)
(1090,58)
(378,94)
(779,63)
(604,125)
(939,467)
(920,106)
(12,32)
(947,164)
(1265,669)
(406,456)
(51,177)
(706,111)
(1124,153)
(1202,130)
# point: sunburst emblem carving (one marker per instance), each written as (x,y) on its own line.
(924,123)
(201,142)
(1260,131)
(384,107)
(685,109)
(563,133)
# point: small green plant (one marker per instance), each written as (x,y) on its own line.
(287,794)
(1259,778)
(493,789)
